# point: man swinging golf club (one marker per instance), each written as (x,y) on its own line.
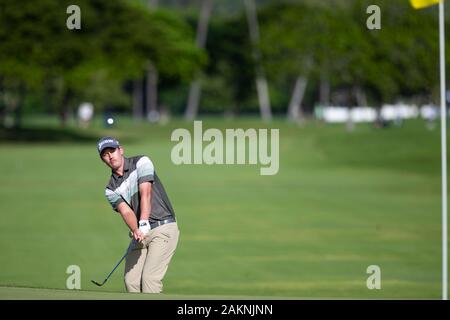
(135,191)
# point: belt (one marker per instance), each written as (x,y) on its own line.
(156,224)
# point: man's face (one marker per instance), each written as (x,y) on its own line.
(113,157)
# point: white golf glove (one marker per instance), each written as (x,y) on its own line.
(144,226)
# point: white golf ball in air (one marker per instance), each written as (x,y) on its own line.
(110,121)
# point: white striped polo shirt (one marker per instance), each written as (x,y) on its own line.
(125,188)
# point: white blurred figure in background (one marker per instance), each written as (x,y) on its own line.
(85,114)
(429,112)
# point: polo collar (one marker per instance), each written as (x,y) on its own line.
(126,167)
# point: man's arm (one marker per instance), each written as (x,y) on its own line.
(130,220)
(145,172)
(145,193)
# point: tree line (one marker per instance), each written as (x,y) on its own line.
(279,57)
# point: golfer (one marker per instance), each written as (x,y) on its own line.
(135,191)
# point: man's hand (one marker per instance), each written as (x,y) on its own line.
(130,219)
(138,235)
(144,226)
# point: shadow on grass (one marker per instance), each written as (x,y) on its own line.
(39,134)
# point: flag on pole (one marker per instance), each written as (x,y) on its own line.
(419,4)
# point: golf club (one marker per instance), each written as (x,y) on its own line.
(130,247)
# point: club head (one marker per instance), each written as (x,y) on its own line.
(98,284)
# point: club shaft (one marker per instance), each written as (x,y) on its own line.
(120,261)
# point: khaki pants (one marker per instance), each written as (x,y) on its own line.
(147,264)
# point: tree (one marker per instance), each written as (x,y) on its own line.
(288,43)
(117,39)
(230,74)
(202,32)
(261,81)
(406,48)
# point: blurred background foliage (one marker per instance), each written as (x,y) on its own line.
(326,45)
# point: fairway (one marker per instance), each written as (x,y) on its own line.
(341,202)
(17,293)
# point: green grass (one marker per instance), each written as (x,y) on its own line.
(19,293)
(341,201)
